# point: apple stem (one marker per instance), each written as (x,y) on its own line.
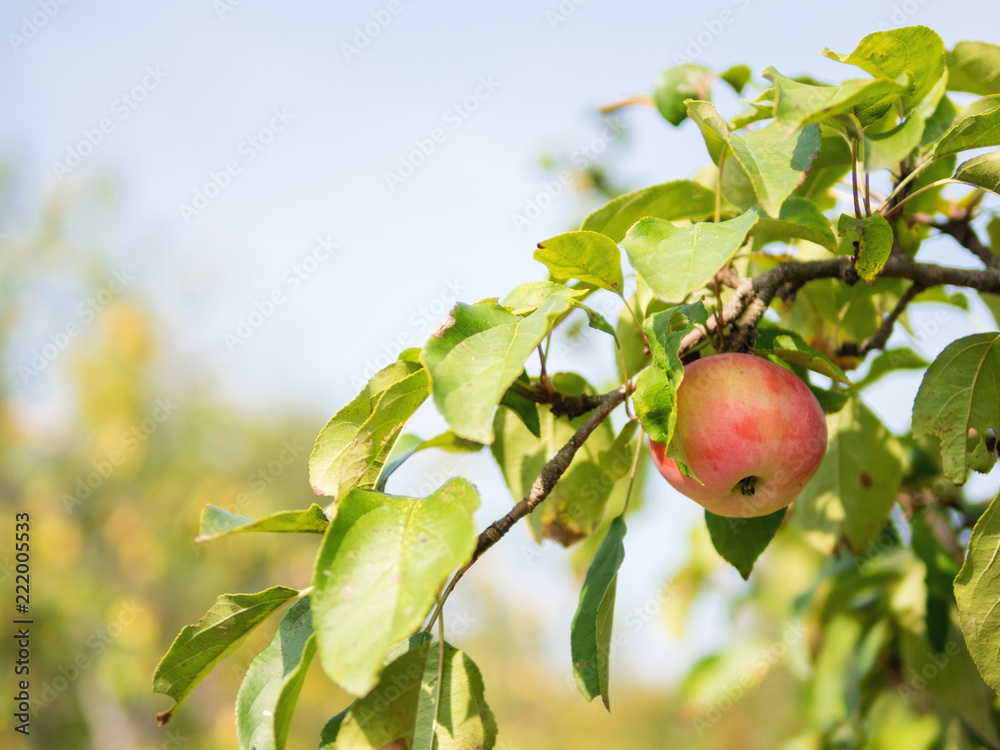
(747,485)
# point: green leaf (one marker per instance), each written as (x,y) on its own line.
(890,361)
(793,349)
(675,261)
(588,256)
(740,541)
(217,522)
(977,126)
(655,395)
(271,687)
(799,103)
(674,201)
(475,357)
(976,594)
(353,446)
(676,85)
(982,171)
(525,409)
(799,219)
(531,295)
(385,718)
(199,647)
(379,570)
(590,633)
(776,161)
(872,239)
(452,443)
(738,76)
(974,67)
(857,483)
(425,722)
(886,150)
(889,54)
(961,392)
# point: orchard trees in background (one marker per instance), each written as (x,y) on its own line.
(802,243)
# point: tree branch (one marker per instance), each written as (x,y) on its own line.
(744,309)
(966,236)
(879,339)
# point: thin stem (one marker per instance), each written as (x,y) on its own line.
(643,100)
(634,471)
(919,167)
(911,196)
(718,186)
(868,193)
(638,322)
(854,179)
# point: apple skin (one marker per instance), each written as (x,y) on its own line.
(739,418)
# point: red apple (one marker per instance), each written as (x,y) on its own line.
(753,434)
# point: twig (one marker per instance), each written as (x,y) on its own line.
(643,100)
(962,231)
(879,339)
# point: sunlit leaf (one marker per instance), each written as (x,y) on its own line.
(527,297)
(379,570)
(217,522)
(475,357)
(977,126)
(270,689)
(886,150)
(799,219)
(677,84)
(198,648)
(799,103)
(590,634)
(588,256)
(915,50)
(385,718)
(857,482)
(674,201)
(353,446)
(872,239)
(974,67)
(982,171)
(976,595)
(791,348)
(675,261)
(959,401)
(655,395)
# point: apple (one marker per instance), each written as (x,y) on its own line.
(752,433)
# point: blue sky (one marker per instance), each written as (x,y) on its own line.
(290,120)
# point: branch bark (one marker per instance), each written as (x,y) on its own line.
(743,309)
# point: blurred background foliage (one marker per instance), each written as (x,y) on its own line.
(825,647)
